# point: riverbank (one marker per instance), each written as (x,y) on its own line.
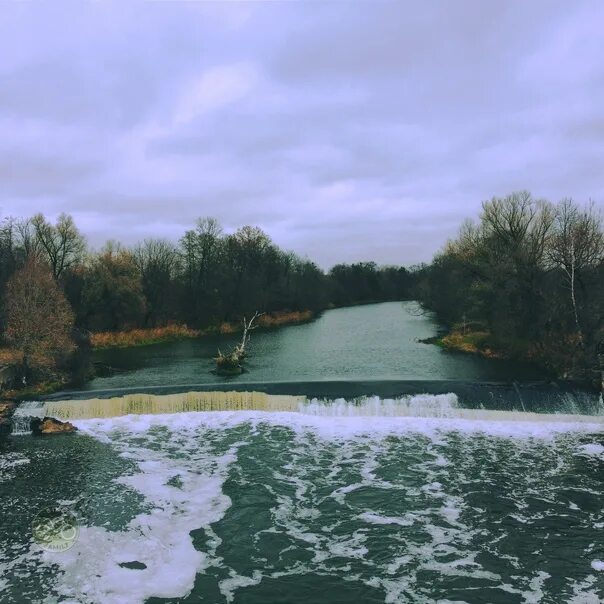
(171,333)
(469,342)
(554,358)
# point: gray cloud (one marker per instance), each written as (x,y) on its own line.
(348,131)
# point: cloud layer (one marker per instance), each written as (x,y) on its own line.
(348,131)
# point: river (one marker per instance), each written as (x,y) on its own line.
(446,494)
(376,341)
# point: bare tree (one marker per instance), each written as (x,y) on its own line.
(576,245)
(231,362)
(157,261)
(200,247)
(27,239)
(518,227)
(156,255)
(62,244)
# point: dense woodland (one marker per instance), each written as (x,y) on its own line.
(528,279)
(525,281)
(48,274)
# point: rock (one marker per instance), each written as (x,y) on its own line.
(7,409)
(134,565)
(6,427)
(50,425)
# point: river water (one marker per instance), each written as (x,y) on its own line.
(414,499)
(377,341)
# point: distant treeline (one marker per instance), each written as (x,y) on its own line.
(206,278)
(529,276)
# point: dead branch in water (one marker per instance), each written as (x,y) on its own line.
(231,362)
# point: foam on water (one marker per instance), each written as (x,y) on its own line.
(180,476)
(592,450)
(23,415)
(8,462)
(317,463)
(419,405)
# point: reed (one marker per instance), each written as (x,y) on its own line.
(142,337)
(169,333)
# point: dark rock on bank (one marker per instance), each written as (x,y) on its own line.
(50,425)
(134,565)
(7,408)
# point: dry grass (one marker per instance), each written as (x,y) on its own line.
(273,319)
(285,318)
(10,356)
(473,342)
(141,337)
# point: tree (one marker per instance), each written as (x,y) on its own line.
(506,253)
(62,245)
(9,254)
(157,261)
(27,238)
(113,293)
(201,254)
(39,318)
(576,246)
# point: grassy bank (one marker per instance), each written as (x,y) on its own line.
(469,342)
(170,333)
(141,337)
(555,357)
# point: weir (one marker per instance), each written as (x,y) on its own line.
(447,405)
(143,404)
(540,397)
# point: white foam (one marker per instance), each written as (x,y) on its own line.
(229,586)
(536,594)
(91,568)
(160,538)
(421,405)
(350,427)
(583,593)
(597,565)
(8,463)
(373,518)
(592,450)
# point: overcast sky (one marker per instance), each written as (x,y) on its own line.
(347,130)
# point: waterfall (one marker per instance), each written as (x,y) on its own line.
(421,405)
(433,406)
(23,415)
(140,404)
(441,406)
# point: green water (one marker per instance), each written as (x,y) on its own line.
(321,505)
(377,341)
(252,508)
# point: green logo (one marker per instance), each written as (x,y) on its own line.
(55,529)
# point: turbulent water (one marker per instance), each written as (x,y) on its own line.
(414,500)
(472,491)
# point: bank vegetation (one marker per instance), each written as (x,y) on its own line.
(525,281)
(60,298)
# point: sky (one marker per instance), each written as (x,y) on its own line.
(348,131)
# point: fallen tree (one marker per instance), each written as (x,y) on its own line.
(231,363)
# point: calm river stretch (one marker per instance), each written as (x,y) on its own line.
(429,496)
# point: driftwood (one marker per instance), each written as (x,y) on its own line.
(231,363)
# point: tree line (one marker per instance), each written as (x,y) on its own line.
(51,279)
(530,274)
